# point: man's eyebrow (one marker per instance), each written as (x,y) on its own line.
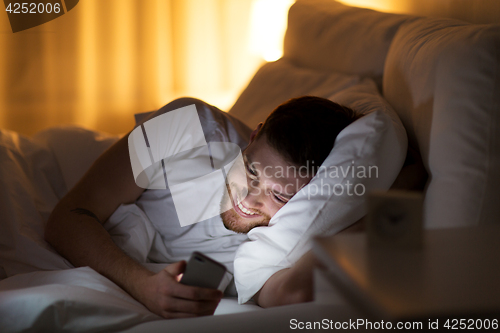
(248,161)
(246,157)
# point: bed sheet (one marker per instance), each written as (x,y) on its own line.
(287,318)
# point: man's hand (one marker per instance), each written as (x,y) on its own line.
(163,294)
(290,285)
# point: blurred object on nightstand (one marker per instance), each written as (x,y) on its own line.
(394,219)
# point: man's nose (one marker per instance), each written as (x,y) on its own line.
(255,196)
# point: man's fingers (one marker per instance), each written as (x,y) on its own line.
(176,268)
(198,308)
(196,293)
(176,300)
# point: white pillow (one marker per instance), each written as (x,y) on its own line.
(35,174)
(75,149)
(31,185)
(377,139)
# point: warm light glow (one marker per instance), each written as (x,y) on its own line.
(390,6)
(268,25)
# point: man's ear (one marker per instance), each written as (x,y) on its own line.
(255,131)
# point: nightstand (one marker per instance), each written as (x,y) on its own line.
(455,274)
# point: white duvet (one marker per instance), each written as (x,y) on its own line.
(39,289)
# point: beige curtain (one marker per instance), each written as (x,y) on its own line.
(105,60)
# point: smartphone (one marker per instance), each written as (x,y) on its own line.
(202,271)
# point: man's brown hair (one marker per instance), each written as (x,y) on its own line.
(304,129)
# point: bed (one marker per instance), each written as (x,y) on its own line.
(441,77)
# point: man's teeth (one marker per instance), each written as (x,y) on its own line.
(244,210)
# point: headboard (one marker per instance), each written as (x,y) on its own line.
(480,12)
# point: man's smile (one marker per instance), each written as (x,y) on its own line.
(238,206)
(243,211)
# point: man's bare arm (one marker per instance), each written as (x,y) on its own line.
(75,230)
(290,285)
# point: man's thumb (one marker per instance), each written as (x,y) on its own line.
(176,268)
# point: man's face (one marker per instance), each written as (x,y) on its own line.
(271,182)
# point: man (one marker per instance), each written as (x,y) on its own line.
(300,132)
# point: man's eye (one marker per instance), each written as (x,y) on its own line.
(252,173)
(280,199)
